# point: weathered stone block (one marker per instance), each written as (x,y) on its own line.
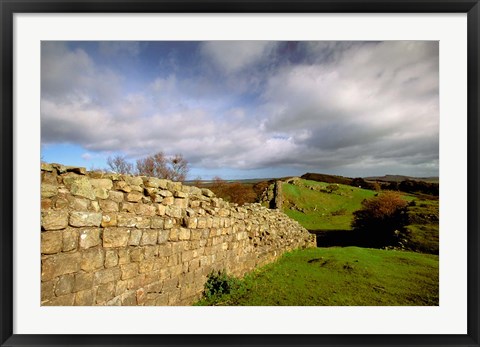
(48,190)
(137,254)
(85,298)
(135,237)
(108,206)
(196,234)
(120,288)
(194,203)
(94,206)
(54,220)
(46,204)
(162,236)
(48,289)
(184,234)
(207,193)
(143,223)
(105,292)
(123,186)
(134,196)
(201,222)
(83,281)
(129,271)
(46,167)
(78,204)
(152,182)
(161,209)
(168,223)
(102,183)
(89,238)
(223,212)
(136,282)
(64,300)
(127,220)
(191,222)
(60,264)
(115,196)
(173,211)
(70,240)
(92,259)
(173,235)
(163,183)
(111,258)
(180,194)
(156,222)
(150,191)
(129,298)
(123,256)
(107,275)
(101,193)
(157,198)
(115,237)
(188,255)
(165,193)
(109,220)
(180,203)
(150,251)
(127,207)
(168,201)
(81,186)
(52,242)
(134,180)
(85,219)
(146,266)
(145,210)
(149,237)
(64,285)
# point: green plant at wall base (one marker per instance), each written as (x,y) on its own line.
(219,283)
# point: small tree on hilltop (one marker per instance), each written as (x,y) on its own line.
(380,217)
(158,165)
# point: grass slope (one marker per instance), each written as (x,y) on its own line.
(320,209)
(348,276)
(422,232)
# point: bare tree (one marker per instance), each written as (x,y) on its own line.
(158,165)
(178,168)
(119,164)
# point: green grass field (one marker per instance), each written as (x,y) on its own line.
(322,210)
(349,276)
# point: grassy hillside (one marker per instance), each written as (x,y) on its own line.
(322,208)
(313,206)
(339,277)
(422,233)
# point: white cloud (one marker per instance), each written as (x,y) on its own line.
(369,100)
(234,56)
(348,106)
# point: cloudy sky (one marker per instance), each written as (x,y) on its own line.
(244,109)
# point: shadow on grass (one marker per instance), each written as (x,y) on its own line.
(339,238)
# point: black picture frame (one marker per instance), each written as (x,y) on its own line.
(9,7)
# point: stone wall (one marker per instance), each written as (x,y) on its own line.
(109,239)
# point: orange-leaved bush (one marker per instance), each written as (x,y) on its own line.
(381,218)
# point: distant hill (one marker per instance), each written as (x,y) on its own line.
(400,178)
(326,178)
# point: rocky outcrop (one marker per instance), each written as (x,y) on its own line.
(109,239)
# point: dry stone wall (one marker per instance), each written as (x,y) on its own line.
(110,239)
